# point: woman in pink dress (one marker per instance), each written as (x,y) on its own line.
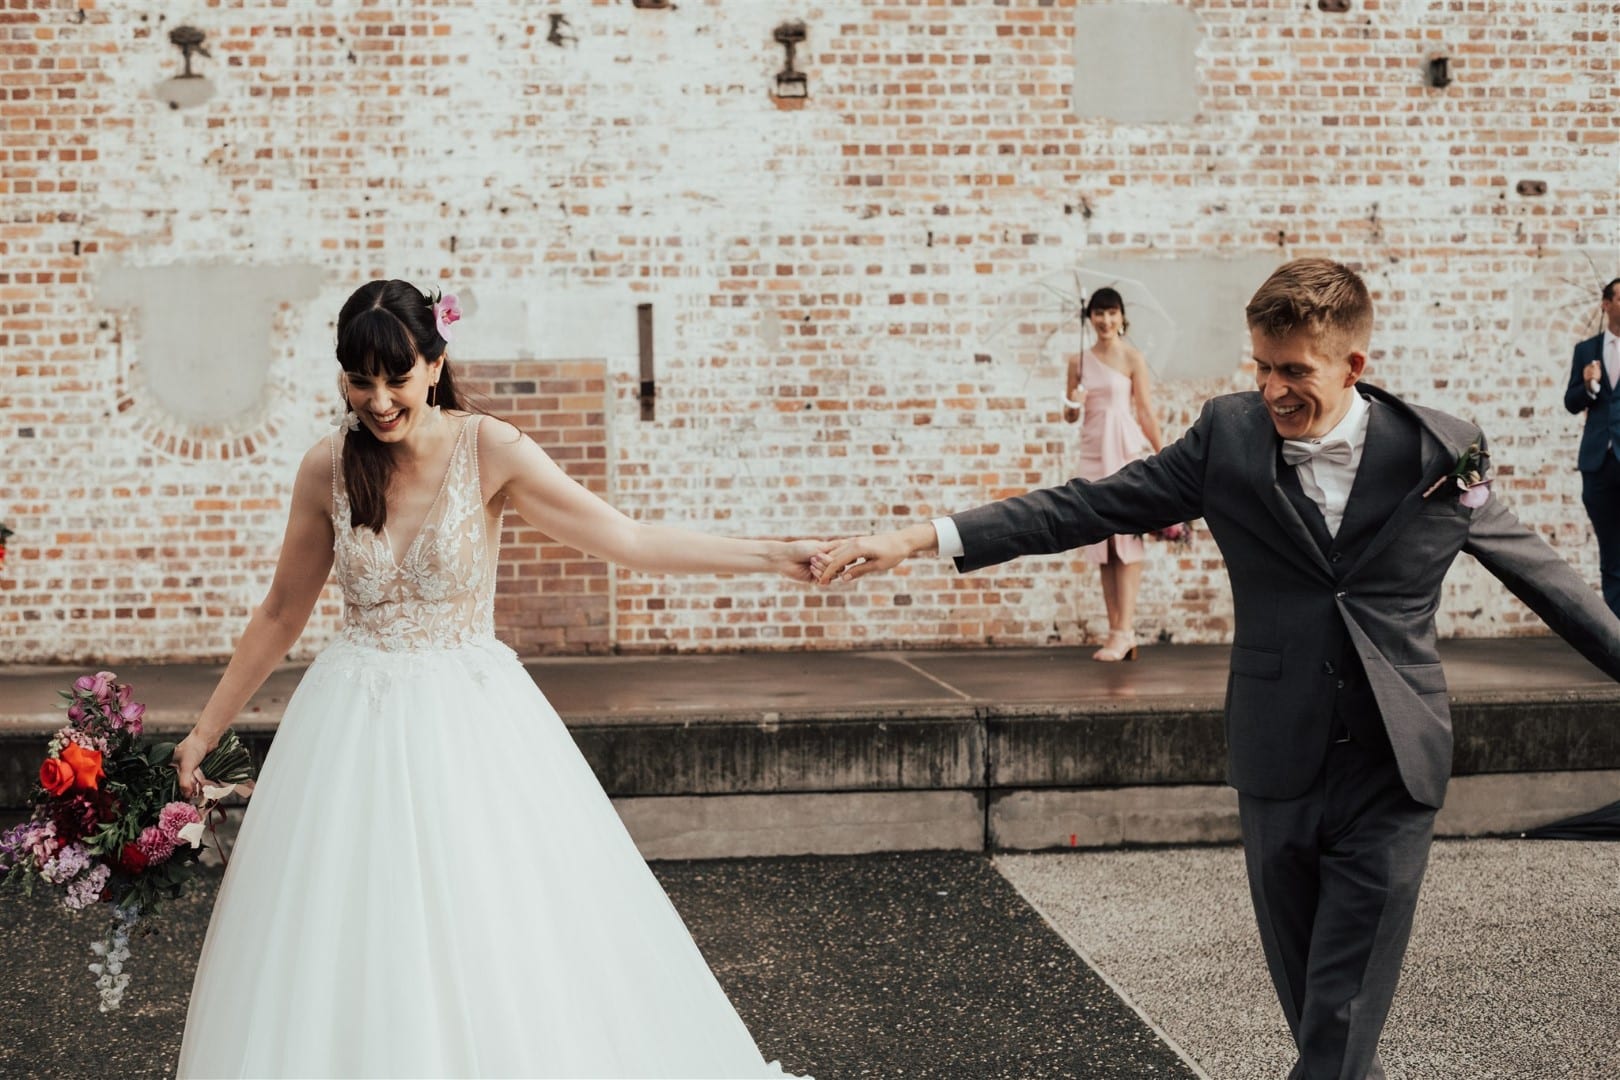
(1112,383)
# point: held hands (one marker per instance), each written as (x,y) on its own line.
(862,555)
(797,559)
(1592,373)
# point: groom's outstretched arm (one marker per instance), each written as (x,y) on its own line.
(1539,576)
(1145,495)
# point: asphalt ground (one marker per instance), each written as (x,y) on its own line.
(900,965)
(955,966)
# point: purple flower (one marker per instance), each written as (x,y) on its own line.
(41,841)
(66,865)
(85,683)
(1475,496)
(174,817)
(86,890)
(15,844)
(129,717)
(76,713)
(102,686)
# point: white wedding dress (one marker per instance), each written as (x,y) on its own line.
(429,881)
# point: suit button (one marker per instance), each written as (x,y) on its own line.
(1327,667)
(1339,684)
(1340,595)
(1336,556)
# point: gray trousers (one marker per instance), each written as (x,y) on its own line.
(1334,875)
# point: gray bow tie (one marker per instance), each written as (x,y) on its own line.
(1338,451)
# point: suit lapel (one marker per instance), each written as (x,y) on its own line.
(1438,459)
(1388,467)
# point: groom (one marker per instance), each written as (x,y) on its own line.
(1338,508)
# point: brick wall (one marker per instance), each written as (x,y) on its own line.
(549,598)
(824,276)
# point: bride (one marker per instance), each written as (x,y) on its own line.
(428,880)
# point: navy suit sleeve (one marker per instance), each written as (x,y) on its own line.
(1576,399)
(1144,495)
(1535,573)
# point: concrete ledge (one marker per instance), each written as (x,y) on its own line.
(875,752)
(851,823)
(1173,742)
(1515,802)
(1109,817)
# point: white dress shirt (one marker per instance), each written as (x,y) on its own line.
(1326,482)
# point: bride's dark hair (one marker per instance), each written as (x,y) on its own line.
(381,331)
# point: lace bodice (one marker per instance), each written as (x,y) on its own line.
(442,593)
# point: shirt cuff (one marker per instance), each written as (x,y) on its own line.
(1592,389)
(950,541)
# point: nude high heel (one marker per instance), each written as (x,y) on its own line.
(1121,646)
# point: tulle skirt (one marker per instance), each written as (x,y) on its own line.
(429,881)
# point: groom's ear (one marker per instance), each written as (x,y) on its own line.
(1358,365)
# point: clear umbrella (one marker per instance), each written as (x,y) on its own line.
(1041,323)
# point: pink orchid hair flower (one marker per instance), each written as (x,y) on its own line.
(446,313)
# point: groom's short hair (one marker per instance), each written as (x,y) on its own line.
(1320,297)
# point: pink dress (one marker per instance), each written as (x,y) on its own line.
(1110,438)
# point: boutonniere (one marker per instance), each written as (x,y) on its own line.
(1471,474)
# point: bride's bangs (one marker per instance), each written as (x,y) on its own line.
(376,343)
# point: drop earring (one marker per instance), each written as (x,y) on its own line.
(433,395)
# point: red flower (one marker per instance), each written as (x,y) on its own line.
(55,776)
(131,859)
(86,765)
(77,816)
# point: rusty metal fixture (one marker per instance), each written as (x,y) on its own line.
(789,82)
(1440,72)
(1532,187)
(189,39)
(1335,7)
(644,342)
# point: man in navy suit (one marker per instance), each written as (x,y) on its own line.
(1593,390)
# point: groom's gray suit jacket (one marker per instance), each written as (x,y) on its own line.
(1301,597)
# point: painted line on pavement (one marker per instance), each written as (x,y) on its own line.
(1119,991)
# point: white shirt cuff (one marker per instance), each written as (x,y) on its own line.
(950,541)
(1592,389)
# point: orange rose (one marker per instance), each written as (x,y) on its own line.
(55,776)
(86,765)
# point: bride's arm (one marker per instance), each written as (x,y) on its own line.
(301,572)
(513,465)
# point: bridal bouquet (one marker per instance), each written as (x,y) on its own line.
(108,823)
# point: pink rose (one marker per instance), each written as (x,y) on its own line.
(446,313)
